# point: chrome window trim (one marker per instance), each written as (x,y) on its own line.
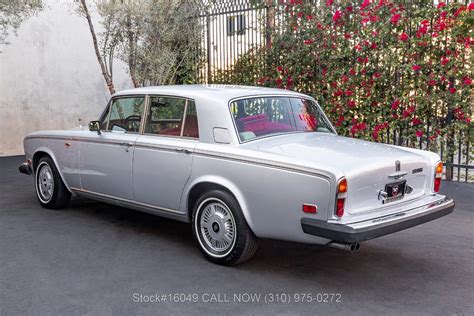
(183,119)
(109,105)
(333,130)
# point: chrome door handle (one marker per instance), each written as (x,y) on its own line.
(183,150)
(127,146)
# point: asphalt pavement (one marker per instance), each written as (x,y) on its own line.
(94,258)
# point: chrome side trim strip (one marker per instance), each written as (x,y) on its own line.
(261,162)
(207,153)
(109,197)
(80,139)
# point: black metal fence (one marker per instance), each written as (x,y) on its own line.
(233,27)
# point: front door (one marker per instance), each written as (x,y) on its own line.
(106,158)
(163,155)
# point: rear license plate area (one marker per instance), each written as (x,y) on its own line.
(395,191)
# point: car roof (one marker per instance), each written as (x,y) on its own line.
(209,91)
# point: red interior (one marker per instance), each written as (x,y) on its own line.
(260,125)
(190,128)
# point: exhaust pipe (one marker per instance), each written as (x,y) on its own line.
(353,247)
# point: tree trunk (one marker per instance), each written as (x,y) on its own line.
(105,73)
(131,52)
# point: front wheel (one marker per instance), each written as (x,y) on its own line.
(221,229)
(50,189)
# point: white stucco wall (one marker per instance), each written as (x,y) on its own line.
(49,76)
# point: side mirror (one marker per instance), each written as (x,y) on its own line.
(94,126)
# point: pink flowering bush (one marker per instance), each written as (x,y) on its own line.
(382,70)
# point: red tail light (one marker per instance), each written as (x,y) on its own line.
(341,197)
(438,175)
(437,184)
(340,207)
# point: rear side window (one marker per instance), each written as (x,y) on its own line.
(172,117)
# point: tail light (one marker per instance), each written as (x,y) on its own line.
(341,197)
(438,175)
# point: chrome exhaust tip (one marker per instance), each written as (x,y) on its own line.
(352,247)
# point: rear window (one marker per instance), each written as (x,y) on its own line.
(264,116)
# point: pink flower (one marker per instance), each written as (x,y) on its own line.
(471,6)
(348,93)
(377,75)
(278,81)
(329,3)
(404,37)
(340,120)
(375,135)
(419,133)
(432,82)
(351,103)
(395,18)
(459,11)
(467,81)
(444,61)
(308,42)
(337,16)
(365,4)
(280,68)
(441,5)
(416,67)
(416,121)
(452,90)
(395,104)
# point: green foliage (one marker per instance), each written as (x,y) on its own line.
(13,13)
(383,70)
(157,39)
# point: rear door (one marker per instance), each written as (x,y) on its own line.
(163,154)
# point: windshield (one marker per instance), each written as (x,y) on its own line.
(263,116)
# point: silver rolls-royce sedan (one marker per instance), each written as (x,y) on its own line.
(239,164)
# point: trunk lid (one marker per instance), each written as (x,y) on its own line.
(366,165)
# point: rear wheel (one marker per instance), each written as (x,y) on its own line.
(50,189)
(221,229)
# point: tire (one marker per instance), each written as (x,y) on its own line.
(50,189)
(221,230)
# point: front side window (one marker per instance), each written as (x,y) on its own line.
(263,116)
(124,115)
(172,117)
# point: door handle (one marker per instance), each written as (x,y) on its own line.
(183,150)
(127,146)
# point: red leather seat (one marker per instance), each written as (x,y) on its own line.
(190,128)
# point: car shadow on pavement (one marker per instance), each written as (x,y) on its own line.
(278,257)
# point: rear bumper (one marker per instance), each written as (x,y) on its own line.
(25,168)
(373,228)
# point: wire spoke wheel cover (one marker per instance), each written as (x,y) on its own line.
(217,228)
(45,182)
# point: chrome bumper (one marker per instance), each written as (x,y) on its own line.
(376,227)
